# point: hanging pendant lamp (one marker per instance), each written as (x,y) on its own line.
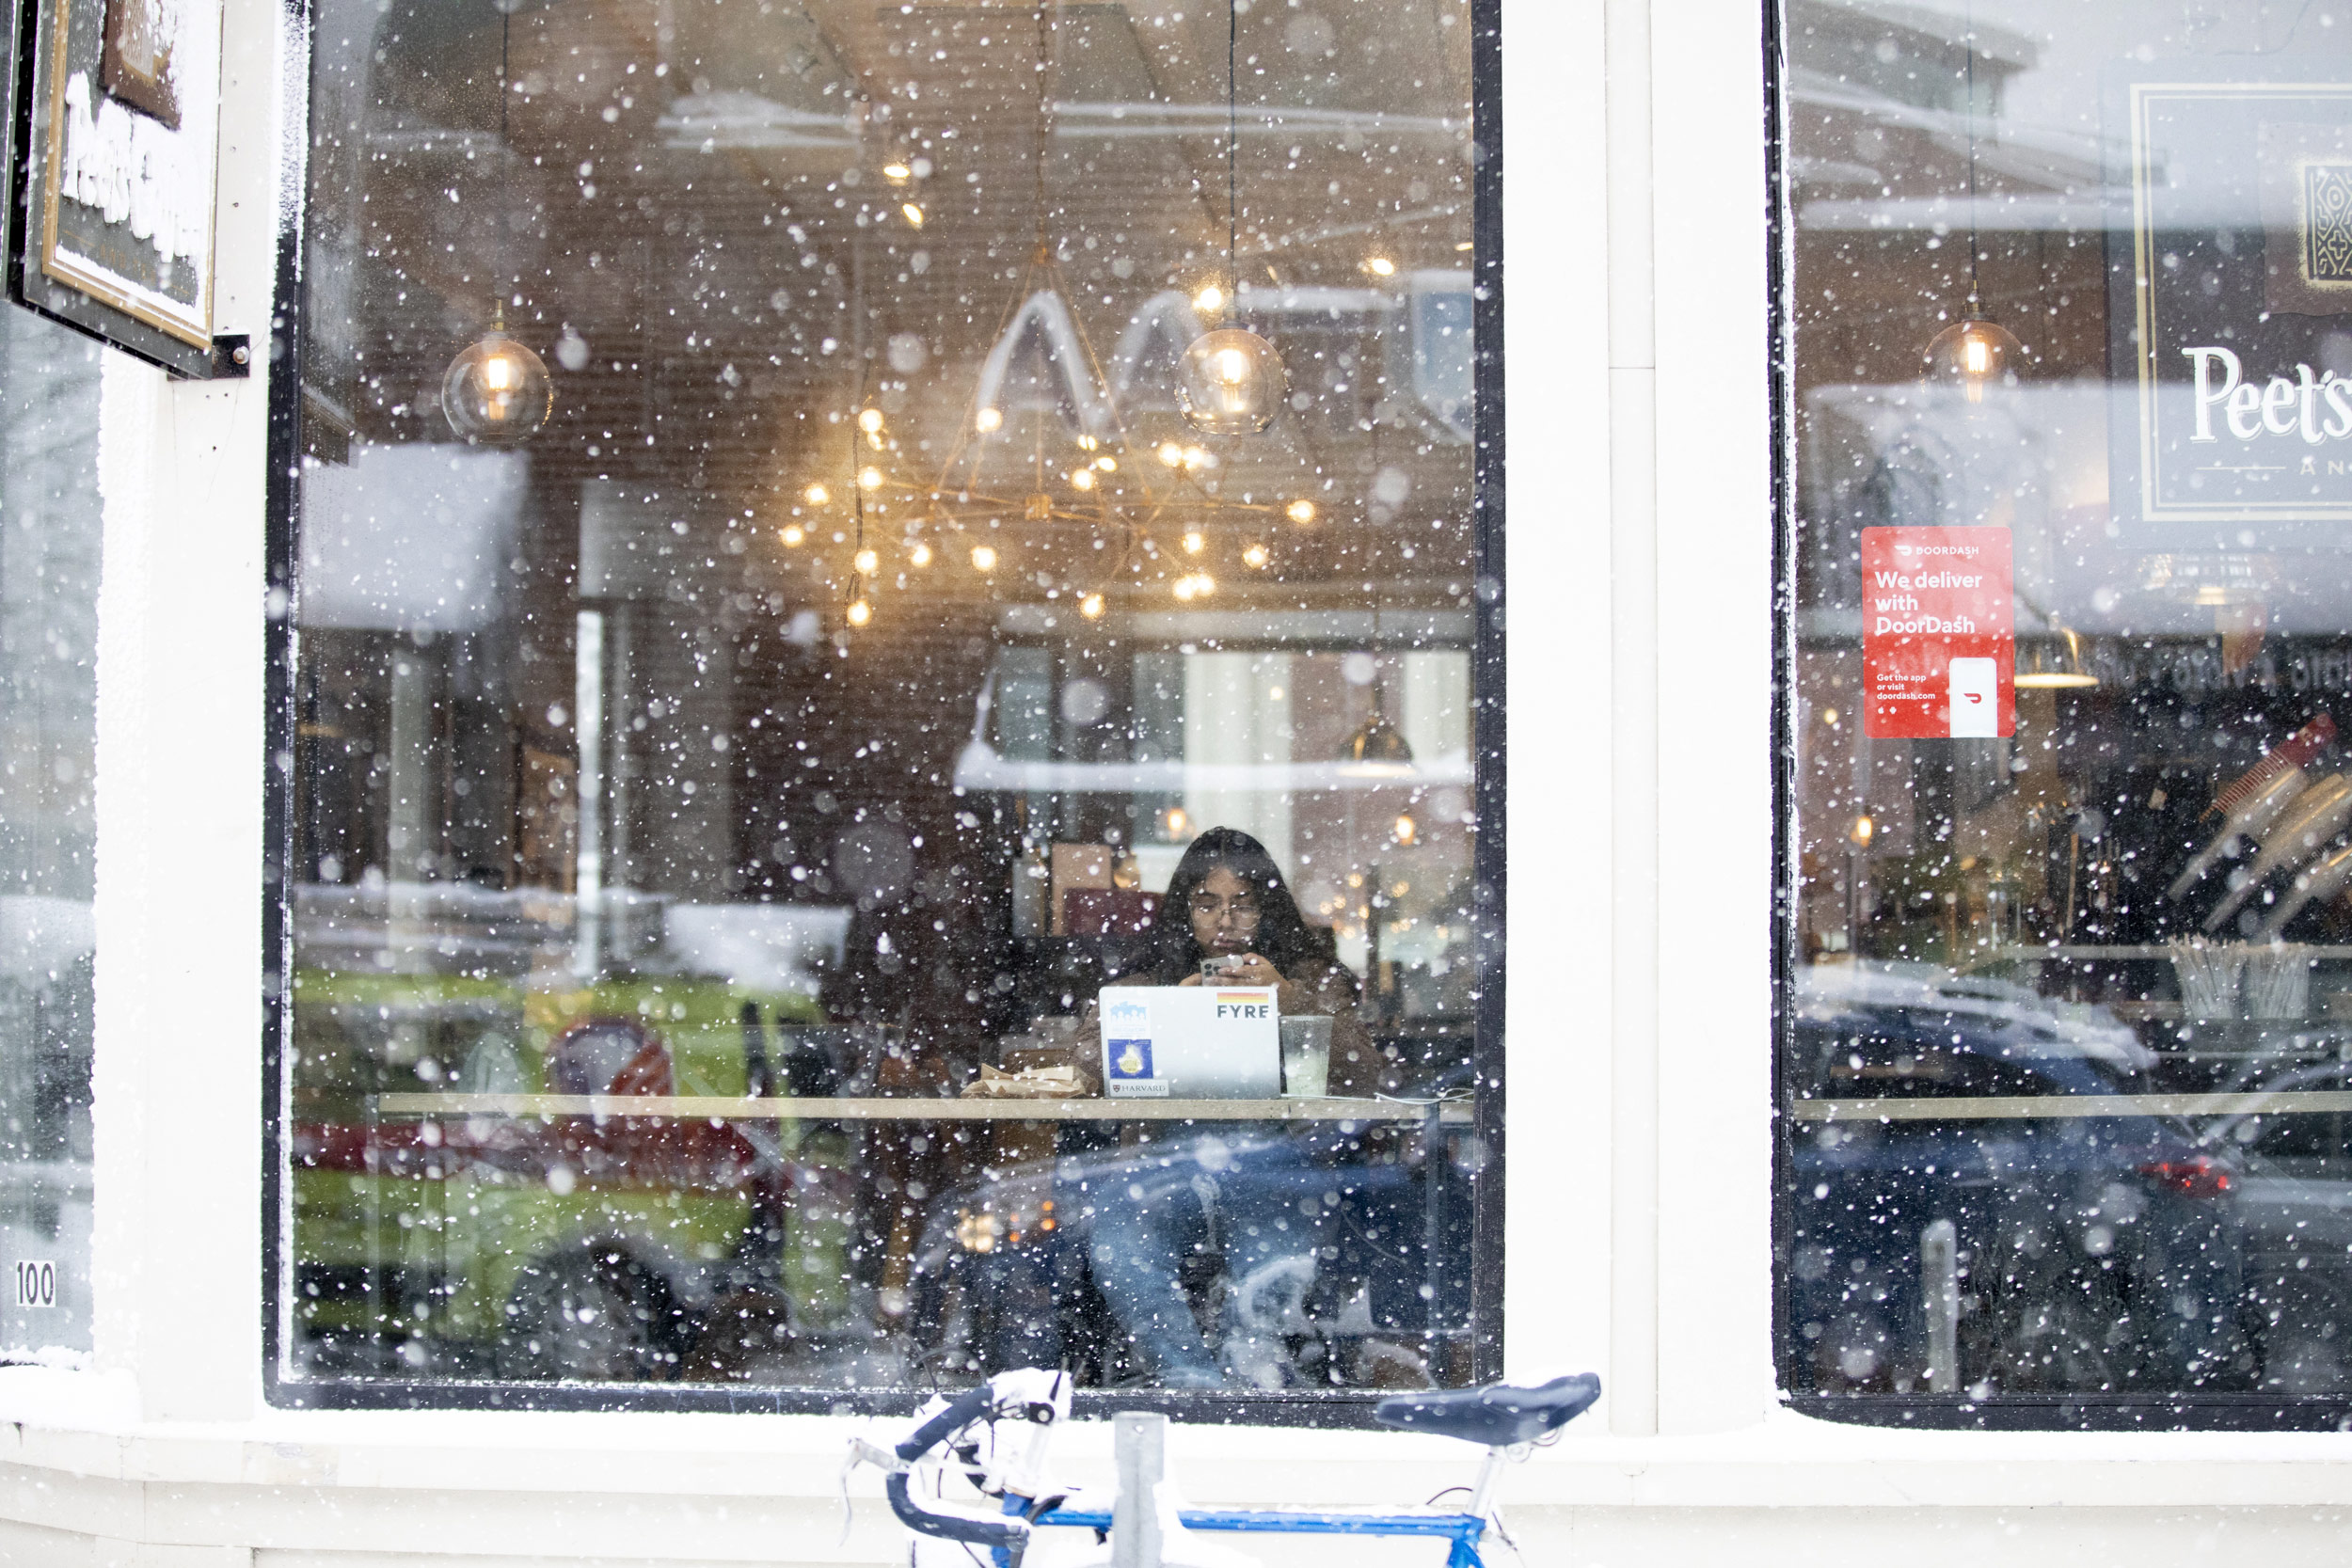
(1974,353)
(496,393)
(1231,381)
(2056,665)
(1377,750)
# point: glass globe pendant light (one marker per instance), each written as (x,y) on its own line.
(1974,353)
(1231,382)
(496,393)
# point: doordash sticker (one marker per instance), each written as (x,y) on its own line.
(1939,644)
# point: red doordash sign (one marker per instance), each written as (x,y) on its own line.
(1939,641)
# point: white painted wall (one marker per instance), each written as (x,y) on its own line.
(176,1252)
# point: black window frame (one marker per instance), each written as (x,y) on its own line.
(2232,1411)
(1490,797)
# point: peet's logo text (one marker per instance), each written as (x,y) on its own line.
(2277,407)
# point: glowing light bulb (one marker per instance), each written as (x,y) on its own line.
(1406,829)
(1088,443)
(1300,511)
(1203,584)
(1107,464)
(496,392)
(1257,555)
(1976,355)
(1380,266)
(1863,830)
(1173,821)
(920,555)
(870,421)
(793,534)
(1183,588)
(1230,383)
(898,171)
(983,557)
(860,612)
(817,494)
(1172,454)
(1196,458)
(1092,606)
(1082,479)
(988,420)
(869,478)
(1209,298)
(913,214)
(1195,542)
(865,561)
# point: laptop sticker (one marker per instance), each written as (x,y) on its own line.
(1127,1049)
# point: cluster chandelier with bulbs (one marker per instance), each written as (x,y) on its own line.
(1095,483)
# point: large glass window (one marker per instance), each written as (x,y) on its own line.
(2065,1043)
(1001,539)
(49,533)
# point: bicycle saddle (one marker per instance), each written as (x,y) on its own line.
(1497,1415)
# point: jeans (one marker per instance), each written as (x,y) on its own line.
(1264,1206)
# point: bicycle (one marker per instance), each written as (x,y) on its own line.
(1145,1527)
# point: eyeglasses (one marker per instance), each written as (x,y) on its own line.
(1208,906)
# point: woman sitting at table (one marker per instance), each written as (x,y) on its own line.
(1238,1184)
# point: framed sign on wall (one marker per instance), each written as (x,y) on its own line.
(2229,304)
(115,173)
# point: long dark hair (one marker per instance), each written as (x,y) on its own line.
(1284,938)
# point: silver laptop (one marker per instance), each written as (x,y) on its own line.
(1191,1042)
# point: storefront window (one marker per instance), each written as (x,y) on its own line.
(49,533)
(1001,534)
(2066,1048)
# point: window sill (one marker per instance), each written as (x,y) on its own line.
(86,1425)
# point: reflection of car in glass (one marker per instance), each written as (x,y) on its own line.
(1951,1237)
(1003,1277)
(566,1246)
(2294,1193)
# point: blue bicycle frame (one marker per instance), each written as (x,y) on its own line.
(1464,1529)
(1504,1419)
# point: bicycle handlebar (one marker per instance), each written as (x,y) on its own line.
(961,1412)
(1006,1532)
(1038,1397)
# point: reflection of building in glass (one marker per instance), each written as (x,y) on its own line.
(48,562)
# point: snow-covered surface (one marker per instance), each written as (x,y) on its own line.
(768,947)
(2020,1022)
(41,937)
(137,171)
(361,564)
